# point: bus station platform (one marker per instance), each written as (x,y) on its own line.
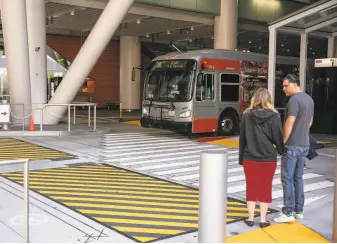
(133,184)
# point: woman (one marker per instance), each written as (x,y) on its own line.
(261,129)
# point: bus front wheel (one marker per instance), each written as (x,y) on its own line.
(227,124)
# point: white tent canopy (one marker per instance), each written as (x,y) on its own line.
(319,19)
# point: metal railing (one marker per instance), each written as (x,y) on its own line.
(70,105)
(25,192)
(23,113)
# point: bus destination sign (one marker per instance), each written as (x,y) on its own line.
(169,64)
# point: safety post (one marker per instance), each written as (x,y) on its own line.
(69,117)
(213,196)
(120,111)
(74,115)
(334,219)
(25,193)
(89,118)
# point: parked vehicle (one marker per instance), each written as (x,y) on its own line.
(207,90)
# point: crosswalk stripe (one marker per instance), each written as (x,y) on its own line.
(141,142)
(177,158)
(152,151)
(152,146)
(160,166)
(307,188)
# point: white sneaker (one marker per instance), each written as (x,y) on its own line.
(282,218)
(299,215)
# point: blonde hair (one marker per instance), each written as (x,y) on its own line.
(261,100)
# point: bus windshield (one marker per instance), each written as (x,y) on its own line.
(170,80)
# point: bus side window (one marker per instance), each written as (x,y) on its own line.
(230,88)
(205,87)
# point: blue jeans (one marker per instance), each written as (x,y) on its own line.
(291,176)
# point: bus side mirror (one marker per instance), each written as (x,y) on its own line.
(133,76)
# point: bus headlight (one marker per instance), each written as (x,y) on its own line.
(185,114)
(145,112)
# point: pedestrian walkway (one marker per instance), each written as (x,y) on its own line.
(175,158)
(280,233)
(118,188)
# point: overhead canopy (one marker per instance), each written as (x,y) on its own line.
(319,19)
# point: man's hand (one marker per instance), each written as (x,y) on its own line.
(288,127)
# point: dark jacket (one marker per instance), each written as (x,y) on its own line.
(254,144)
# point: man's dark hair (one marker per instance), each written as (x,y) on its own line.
(292,79)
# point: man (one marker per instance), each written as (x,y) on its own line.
(298,120)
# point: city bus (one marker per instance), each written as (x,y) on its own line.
(206,91)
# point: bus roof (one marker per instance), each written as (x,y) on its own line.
(228,55)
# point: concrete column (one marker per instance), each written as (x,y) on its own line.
(226,26)
(303,60)
(36,25)
(87,57)
(14,23)
(272,62)
(331,47)
(130,50)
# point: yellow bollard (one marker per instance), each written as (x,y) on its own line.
(120,111)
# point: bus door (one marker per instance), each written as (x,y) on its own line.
(205,106)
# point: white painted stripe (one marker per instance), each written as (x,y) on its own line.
(140,142)
(307,188)
(240,188)
(157,160)
(143,139)
(167,165)
(152,146)
(186,177)
(327,155)
(193,157)
(174,171)
(136,133)
(187,169)
(157,152)
(162,155)
(309,200)
(145,144)
(140,136)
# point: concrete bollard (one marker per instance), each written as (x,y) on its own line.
(212,196)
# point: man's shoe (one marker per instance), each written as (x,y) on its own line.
(282,218)
(299,215)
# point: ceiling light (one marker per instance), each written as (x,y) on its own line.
(168,32)
(250,41)
(138,21)
(147,35)
(192,28)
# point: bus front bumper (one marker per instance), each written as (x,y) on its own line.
(166,124)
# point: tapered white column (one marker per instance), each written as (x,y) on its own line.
(130,50)
(87,57)
(36,25)
(303,60)
(272,62)
(14,24)
(226,26)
